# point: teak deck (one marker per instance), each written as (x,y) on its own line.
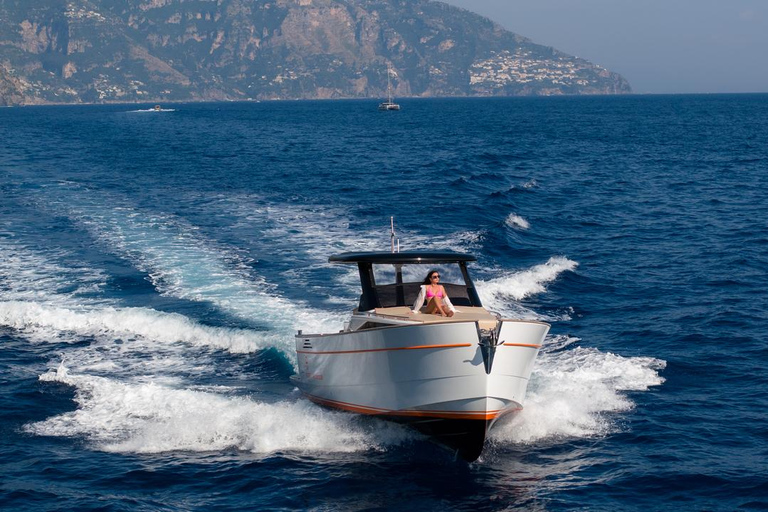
(463,314)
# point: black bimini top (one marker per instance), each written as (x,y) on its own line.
(402,257)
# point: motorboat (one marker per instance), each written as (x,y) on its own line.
(451,378)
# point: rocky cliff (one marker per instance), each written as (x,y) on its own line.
(72,51)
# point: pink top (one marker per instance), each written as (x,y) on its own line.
(431,294)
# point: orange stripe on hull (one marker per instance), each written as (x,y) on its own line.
(415,347)
(453,415)
(529,345)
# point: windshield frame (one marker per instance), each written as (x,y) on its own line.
(400,293)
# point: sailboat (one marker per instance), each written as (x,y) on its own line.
(389,104)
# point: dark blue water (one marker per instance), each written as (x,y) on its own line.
(155,265)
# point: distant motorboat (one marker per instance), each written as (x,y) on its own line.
(389,104)
(156,108)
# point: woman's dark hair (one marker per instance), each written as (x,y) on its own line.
(429,274)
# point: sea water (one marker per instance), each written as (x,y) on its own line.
(154,267)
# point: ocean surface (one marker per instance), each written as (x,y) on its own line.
(154,267)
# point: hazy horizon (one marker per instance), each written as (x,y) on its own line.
(686,46)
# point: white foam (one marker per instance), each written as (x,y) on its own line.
(157,407)
(575,393)
(520,285)
(516,222)
(310,233)
(182,263)
(49,322)
(152,418)
(43,301)
(153,110)
(32,275)
(305,235)
(320,231)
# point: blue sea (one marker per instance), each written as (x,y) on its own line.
(154,267)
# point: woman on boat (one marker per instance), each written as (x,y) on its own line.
(433,292)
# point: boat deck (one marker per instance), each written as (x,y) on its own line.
(485,319)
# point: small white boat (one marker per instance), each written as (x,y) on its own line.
(389,104)
(449,377)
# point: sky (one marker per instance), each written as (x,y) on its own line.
(660,46)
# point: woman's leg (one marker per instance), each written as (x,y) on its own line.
(434,307)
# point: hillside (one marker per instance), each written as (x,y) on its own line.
(186,50)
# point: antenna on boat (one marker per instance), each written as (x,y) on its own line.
(392,235)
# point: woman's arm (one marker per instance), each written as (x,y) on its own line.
(419,300)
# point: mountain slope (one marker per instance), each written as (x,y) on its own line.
(162,50)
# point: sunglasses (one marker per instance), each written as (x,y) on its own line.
(435,277)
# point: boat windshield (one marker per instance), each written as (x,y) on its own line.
(399,284)
(386,273)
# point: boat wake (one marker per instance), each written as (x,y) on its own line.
(46,322)
(574,392)
(180,262)
(154,418)
(149,381)
(522,284)
(504,293)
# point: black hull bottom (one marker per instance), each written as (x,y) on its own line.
(466,437)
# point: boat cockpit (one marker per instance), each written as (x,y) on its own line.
(391,282)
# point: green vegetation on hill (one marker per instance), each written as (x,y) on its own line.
(71,51)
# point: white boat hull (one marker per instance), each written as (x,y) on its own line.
(435,376)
